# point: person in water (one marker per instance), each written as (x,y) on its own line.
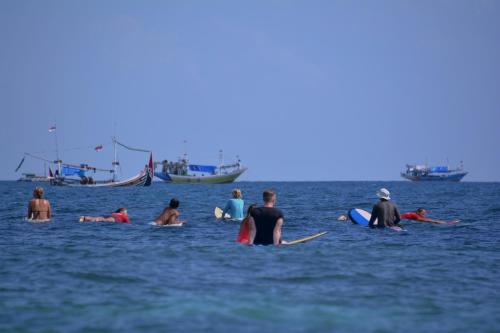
(234,206)
(38,207)
(385,211)
(170,215)
(420,216)
(265,222)
(120,216)
(244,232)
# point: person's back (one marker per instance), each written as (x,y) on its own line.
(265,219)
(169,214)
(39,208)
(234,208)
(384,211)
(265,223)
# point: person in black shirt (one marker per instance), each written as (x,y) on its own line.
(265,222)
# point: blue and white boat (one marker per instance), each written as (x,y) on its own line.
(416,172)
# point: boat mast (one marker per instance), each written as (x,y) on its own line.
(58,160)
(115,161)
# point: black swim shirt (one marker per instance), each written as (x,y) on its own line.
(265,220)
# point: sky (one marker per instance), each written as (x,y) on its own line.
(299,90)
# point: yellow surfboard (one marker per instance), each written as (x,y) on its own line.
(218,213)
(306,239)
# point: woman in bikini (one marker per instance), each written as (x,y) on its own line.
(39,208)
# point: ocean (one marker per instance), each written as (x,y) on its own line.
(66,276)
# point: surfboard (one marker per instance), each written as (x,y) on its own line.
(362,217)
(36,221)
(306,239)
(167,225)
(227,217)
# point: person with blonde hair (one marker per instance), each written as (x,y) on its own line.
(39,208)
(234,207)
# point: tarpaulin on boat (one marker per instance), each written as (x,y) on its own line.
(202,168)
(439,169)
(69,171)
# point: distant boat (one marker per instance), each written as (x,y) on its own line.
(34,178)
(70,174)
(184,172)
(417,172)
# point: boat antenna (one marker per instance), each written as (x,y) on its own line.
(221,160)
(184,142)
(58,161)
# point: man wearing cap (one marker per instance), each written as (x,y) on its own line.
(385,211)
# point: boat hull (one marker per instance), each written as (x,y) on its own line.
(211,179)
(455,177)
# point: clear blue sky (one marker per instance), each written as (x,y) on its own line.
(301,90)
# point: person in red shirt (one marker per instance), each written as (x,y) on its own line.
(120,216)
(420,216)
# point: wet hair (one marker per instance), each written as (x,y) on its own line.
(236,193)
(250,208)
(120,210)
(268,195)
(38,192)
(174,203)
(420,210)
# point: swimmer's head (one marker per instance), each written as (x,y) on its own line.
(422,212)
(174,203)
(236,193)
(38,193)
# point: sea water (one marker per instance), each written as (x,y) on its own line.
(66,276)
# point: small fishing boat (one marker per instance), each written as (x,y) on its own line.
(33,178)
(416,172)
(184,172)
(70,174)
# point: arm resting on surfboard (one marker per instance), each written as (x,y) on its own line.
(428,220)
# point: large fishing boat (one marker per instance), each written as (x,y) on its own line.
(416,172)
(33,178)
(184,172)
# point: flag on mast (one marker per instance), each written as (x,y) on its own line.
(52,129)
(98,148)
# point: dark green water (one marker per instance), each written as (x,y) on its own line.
(66,276)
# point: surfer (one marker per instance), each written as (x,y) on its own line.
(120,216)
(420,216)
(170,214)
(385,211)
(38,207)
(243,234)
(265,222)
(234,207)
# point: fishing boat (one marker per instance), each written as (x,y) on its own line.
(184,172)
(71,174)
(419,172)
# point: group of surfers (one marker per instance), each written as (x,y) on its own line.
(261,225)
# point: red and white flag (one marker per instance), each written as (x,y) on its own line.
(98,148)
(52,129)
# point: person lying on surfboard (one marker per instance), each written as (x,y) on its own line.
(170,214)
(39,208)
(120,216)
(265,222)
(244,232)
(420,216)
(385,211)
(234,207)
